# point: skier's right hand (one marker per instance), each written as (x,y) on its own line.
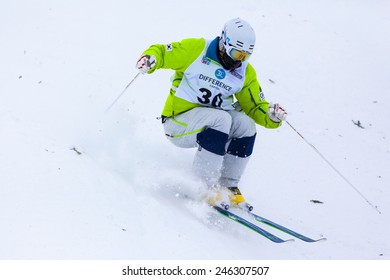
(145,63)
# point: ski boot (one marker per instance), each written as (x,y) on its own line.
(237,199)
(218,196)
(226,197)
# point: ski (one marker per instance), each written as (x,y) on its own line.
(284,229)
(249,225)
(248,209)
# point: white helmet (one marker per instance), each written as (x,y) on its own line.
(239,35)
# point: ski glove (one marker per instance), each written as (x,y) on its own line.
(145,63)
(276,112)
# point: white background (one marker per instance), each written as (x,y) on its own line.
(62,63)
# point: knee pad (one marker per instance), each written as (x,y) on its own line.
(213,141)
(242,147)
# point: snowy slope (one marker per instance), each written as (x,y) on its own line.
(64,62)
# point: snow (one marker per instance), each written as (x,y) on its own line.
(64,62)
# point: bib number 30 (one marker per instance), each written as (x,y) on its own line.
(207,98)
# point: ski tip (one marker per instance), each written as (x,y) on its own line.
(309,240)
(288,241)
(321,239)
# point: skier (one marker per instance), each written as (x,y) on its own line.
(200,110)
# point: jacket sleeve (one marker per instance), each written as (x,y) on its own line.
(177,55)
(252,101)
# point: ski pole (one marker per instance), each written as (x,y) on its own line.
(334,168)
(119,96)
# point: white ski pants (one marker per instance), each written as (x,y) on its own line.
(224,139)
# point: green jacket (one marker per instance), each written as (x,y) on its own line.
(179,56)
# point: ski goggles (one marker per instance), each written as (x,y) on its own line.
(236,54)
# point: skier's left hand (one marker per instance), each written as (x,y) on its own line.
(276,112)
